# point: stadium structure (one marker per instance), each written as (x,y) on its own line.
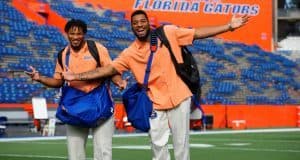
(243,86)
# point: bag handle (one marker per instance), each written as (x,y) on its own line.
(153,48)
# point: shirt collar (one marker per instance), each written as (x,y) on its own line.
(139,44)
(82,50)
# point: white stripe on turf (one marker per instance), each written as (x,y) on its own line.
(145,134)
(32,156)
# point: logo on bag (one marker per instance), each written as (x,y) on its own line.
(153,115)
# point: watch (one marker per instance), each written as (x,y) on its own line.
(230,28)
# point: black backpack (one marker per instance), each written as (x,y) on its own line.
(92,48)
(188,70)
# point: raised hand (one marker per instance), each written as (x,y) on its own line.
(34,74)
(237,22)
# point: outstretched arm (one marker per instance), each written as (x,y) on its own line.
(100,72)
(235,22)
(47,81)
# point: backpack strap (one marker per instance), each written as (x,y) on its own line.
(92,49)
(59,57)
(162,36)
(153,48)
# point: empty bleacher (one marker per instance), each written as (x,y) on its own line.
(231,73)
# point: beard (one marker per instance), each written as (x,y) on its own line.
(143,38)
(77,47)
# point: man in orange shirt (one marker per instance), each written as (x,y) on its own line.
(81,60)
(170,95)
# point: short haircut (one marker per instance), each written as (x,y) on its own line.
(139,12)
(76,23)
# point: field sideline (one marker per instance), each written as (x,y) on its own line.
(258,144)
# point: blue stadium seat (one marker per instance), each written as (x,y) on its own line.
(232,73)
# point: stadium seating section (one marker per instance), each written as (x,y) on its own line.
(231,72)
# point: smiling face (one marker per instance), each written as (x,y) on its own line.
(140,26)
(76,37)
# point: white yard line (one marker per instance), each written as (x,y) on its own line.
(145,134)
(247,131)
(32,156)
(207,146)
(147,147)
(257,150)
(38,156)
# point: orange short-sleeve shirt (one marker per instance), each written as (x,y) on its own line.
(83,61)
(166,89)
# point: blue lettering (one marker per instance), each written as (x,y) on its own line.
(156,4)
(175,5)
(236,9)
(146,6)
(208,7)
(245,10)
(218,9)
(184,6)
(137,3)
(227,7)
(254,10)
(195,7)
(167,5)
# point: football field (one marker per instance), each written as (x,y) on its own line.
(268,144)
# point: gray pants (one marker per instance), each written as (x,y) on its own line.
(177,121)
(102,141)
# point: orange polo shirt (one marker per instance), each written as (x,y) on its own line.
(83,61)
(166,89)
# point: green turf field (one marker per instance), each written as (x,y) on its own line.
(214,146)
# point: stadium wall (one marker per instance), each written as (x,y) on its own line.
(40,13)
(255,116)
(30,14)
(197,13)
